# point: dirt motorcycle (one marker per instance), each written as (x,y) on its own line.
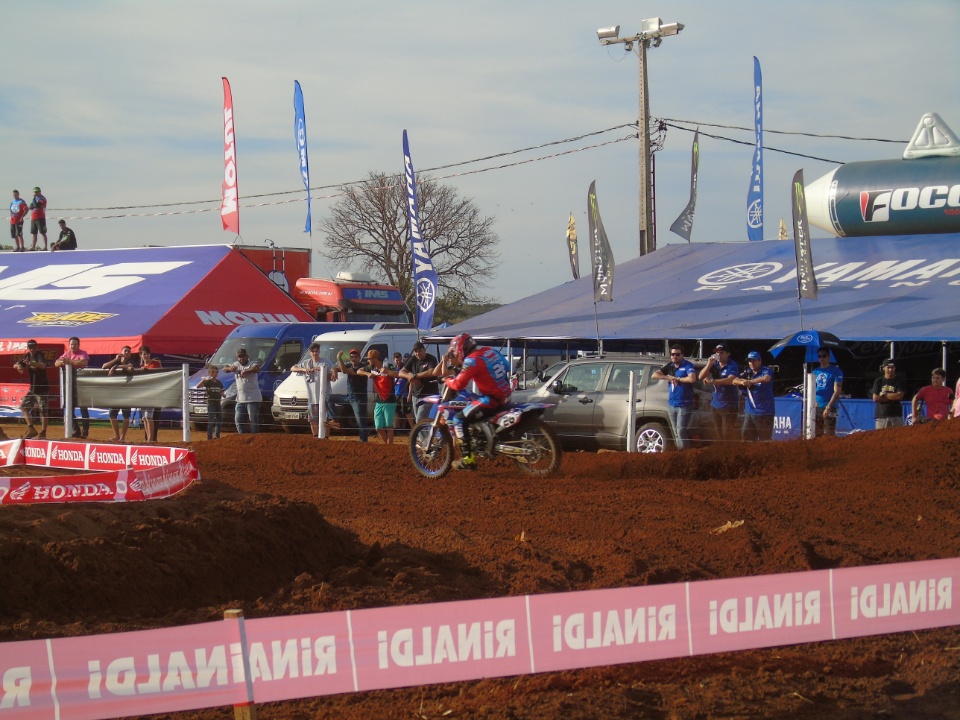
(515,431)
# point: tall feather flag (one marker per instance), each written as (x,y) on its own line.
(425,279)
(806,278)
(572,247)
(300,133)
(229,206)
(755,193)
(601,255)
(683,225)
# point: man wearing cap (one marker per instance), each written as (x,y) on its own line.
(756,382)
(35,365)
(829,382)
(720,372)
(67,239)
(419,370)
(887,395)
(682,375)
(38,218)
(18,211)
(356,390)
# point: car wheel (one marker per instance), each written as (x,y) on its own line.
(653,438)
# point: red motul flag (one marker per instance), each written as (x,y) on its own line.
(229,209)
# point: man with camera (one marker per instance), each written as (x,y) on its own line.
(682,375)
(720,372)
(756,383)
(829,380)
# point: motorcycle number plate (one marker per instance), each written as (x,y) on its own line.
(509,418)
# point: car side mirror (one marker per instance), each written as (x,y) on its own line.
(557,387)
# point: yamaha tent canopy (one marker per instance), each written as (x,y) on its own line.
(871,289)
(177,300)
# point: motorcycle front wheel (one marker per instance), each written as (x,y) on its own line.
(541,449)
(431,449)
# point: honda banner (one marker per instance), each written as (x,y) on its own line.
(425,279)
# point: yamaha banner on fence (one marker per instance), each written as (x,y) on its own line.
(683,225)
(755,194)
(601,255)
(300,133)
(425,279)
(806,277)
(229,206)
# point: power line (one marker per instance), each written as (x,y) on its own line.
(670,122)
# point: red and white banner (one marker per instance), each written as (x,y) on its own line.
(229,207)
(174,669)
(108,473)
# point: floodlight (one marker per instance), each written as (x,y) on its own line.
(671,29)
(608,32)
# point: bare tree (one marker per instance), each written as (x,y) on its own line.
(368,230)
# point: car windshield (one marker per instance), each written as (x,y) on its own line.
(258,350)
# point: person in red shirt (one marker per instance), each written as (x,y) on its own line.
(150,415)
(38,218)
(18,211)
(384,410)
(936,399)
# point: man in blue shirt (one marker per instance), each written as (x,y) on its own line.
(829,379)
(682,375)
(720,372)
(756,383)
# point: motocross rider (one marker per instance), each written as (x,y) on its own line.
(491,373)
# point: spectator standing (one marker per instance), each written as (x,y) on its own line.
(682,375)
(759,409)
(956,400)
(887,395)
(401,387)
(419,370)
(313,369)
(18,211)
(75,359)
(247,413)
(123,362)
(829,382)
(213,389)
(35,365)
(150,415)
(67,239)
(382,374)
(38,218)
(936,397)
(356,390)
(720,372)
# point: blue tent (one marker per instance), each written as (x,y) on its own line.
(899,288)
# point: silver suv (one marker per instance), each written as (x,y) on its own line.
(589,398)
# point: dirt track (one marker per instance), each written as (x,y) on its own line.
(286,524)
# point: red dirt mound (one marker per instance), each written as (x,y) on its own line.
(288,524)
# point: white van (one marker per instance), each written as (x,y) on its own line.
(290,398)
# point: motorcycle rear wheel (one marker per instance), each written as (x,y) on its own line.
(542,454)
(431,449)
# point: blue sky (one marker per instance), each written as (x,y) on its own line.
(110,104)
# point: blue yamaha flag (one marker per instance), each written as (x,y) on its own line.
(300,133)
(755,194)
(424,276)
